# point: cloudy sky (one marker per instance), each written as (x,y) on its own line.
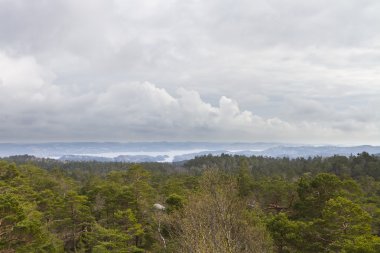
(199,70)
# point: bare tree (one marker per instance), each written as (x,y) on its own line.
(216,220)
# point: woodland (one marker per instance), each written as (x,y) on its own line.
(221,204)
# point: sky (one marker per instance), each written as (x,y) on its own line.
(290,71)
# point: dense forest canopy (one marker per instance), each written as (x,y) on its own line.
(208,204)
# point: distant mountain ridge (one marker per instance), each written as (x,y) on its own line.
(172,151)
(120,158)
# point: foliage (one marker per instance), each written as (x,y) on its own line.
(212,204)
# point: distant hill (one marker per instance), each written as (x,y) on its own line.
(172,151)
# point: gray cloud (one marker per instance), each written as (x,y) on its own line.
(190,70)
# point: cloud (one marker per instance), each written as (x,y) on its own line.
(136,110)
(132,111)
(195,70)
(121,111)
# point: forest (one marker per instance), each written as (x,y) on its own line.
(221,204)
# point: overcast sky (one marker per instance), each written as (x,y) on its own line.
(190,70)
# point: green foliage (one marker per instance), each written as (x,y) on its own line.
(362,244)
(244,179)
(276,191)
(246,204)
(314,192)
(332,225)
(342,221)
(8,171)
(174,202)
(287,234)
(101,239)
(21,228)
